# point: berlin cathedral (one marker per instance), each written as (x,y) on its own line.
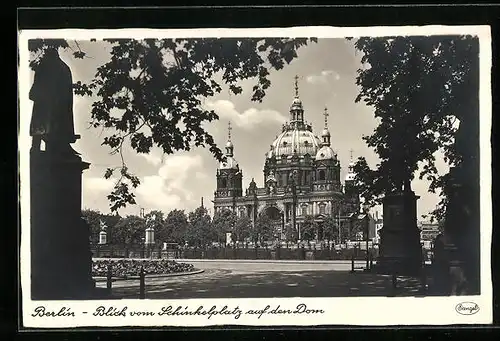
(301,177)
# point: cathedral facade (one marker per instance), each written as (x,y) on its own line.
(301,178)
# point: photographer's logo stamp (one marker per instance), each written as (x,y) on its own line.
(467,308)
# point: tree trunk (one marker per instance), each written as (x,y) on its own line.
(462,224)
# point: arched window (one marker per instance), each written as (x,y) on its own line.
(223,182)
(322,175)
(304,210)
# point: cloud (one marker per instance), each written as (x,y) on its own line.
(154,191)
(95,184)
(152,157)
(248,119)
(170,188)
(323,77)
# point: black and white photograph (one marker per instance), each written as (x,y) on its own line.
(292,176)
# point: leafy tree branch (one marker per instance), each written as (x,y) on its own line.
(159,84)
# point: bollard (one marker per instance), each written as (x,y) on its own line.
(423,279)
(142,284)
(352,262)
(109,278)
(423,282)
(394,282)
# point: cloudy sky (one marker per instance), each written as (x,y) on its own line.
(326,71)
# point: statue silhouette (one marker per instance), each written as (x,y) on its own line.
(52,96)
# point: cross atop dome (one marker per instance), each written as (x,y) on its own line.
(325,113)
(296,86)
(229,144)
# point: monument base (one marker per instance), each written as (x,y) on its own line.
(400,248)
(61,260)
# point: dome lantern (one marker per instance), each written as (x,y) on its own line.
(296,109)
(230,162)
(326,133)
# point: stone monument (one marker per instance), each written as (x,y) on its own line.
(400,249)
(61,260)
(461,234)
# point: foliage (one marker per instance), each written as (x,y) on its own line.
(356,227)
(223,222)
(308,228)
(263,228)
(419,87)
(242,229)
(125,268)
(93,219)
(130,230)
(331,228)
(291,233)
(150,92)
(199,232)
(176,225)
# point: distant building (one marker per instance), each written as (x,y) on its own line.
(428,231)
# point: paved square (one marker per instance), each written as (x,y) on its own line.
(251,279)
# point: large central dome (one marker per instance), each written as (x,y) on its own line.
(295,138)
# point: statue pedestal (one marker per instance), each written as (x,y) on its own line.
(400,249)
(61,260)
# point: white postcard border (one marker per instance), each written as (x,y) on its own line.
(358,311)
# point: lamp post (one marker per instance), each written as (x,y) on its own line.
(143,247)
(339,230)
(282,225)
(367,227)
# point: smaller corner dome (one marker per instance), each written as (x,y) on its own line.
(325,153)
(230,163)
(325,132)
(229,144)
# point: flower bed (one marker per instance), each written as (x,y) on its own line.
(130,267)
